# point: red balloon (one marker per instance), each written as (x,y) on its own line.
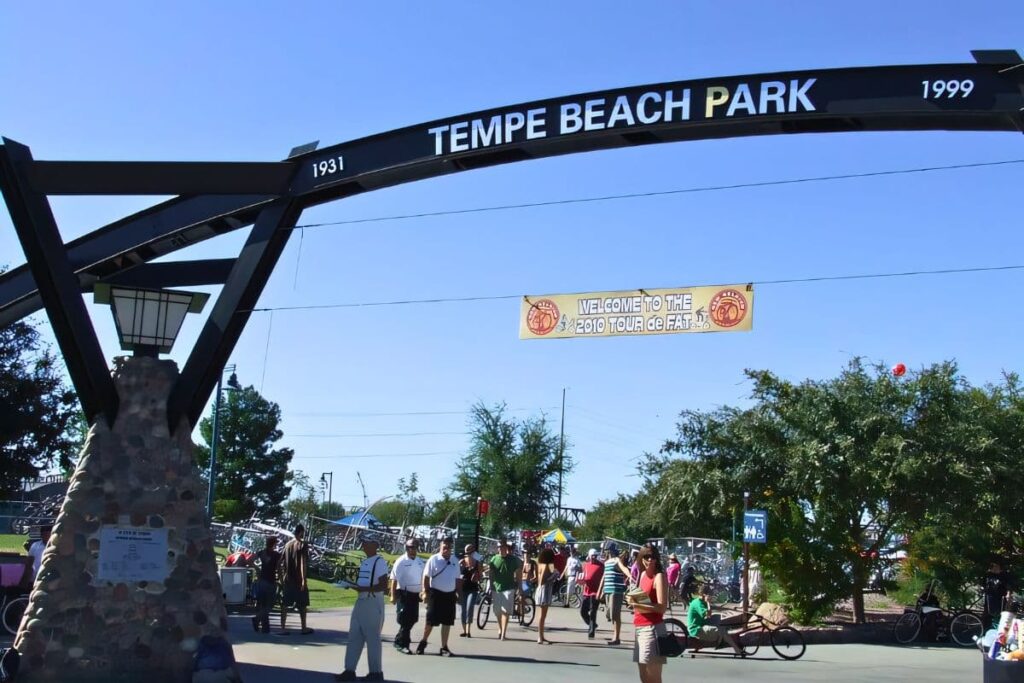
(899,370)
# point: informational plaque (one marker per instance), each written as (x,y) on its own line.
(133,554)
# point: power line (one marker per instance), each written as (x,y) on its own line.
(403,414)
(377,455)
(346,436)
(662,193)
(823,278)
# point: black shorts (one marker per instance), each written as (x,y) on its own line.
(441,608)
(293,596)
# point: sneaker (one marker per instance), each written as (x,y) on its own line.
(615,642)
(445,652)
(590,635)
(374,676)
(405,651)
(345,675)
(463,635)
(422,647)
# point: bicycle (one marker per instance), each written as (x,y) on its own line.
(12,607)
(524,609)
(570,600)
(787,642)
(963,626)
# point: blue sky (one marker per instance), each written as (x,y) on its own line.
(250,80)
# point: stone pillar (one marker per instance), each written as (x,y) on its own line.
(137,610)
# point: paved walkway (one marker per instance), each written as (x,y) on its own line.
(294,658)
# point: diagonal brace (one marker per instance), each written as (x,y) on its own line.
(231,312)
(58,285)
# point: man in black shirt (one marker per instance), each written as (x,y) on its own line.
(997,585)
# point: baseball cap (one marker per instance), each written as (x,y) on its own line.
(505,542)
(369,537)
(592,552)
(411,543)
(612,548)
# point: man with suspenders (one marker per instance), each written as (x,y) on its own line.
(367,614)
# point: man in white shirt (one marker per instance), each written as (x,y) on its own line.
(406,583)
(573,567)
(442,582)
(367,614)
(37,548)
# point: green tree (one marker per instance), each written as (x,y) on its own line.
(38,410)
(840,464)
(414,501)
(303,501)
(625,517)
(252,476)
(512,463)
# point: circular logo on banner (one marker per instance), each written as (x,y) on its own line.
(728,308)
(543,316)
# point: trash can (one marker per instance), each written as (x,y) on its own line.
(999,671)
(233,584)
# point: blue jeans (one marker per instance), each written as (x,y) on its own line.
(469,602)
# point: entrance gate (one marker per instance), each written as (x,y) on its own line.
(215,198)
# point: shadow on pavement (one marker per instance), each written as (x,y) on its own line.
(523,660)
(261,673)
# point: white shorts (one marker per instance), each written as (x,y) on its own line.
(503,601)
(645,645)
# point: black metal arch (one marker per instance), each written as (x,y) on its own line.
(220,197)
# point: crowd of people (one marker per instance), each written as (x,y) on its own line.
(452,588)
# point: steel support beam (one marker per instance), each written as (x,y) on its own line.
(231,312)
(159,177)
(171,274)
(58,286)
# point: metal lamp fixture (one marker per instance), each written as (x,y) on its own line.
(148,320)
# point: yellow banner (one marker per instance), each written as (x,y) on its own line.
(725,308)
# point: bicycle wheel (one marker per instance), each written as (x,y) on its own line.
(484,612)
(528,611)
(574,599)
(677,630)
(13,612)
(720,596)
(563,595)
(965,627)
(907,627)
(750,641)
(787,642)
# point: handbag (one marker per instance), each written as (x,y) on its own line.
(669,646)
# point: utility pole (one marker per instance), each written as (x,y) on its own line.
(561,455)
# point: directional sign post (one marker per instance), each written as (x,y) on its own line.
(755,526)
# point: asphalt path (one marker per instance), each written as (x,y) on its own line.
(317,657)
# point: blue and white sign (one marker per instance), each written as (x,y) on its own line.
(755,526)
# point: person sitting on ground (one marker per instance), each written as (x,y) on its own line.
(698,616)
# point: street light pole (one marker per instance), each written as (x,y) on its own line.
(329,482)
(214,441)
(561,456)
(746,557)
